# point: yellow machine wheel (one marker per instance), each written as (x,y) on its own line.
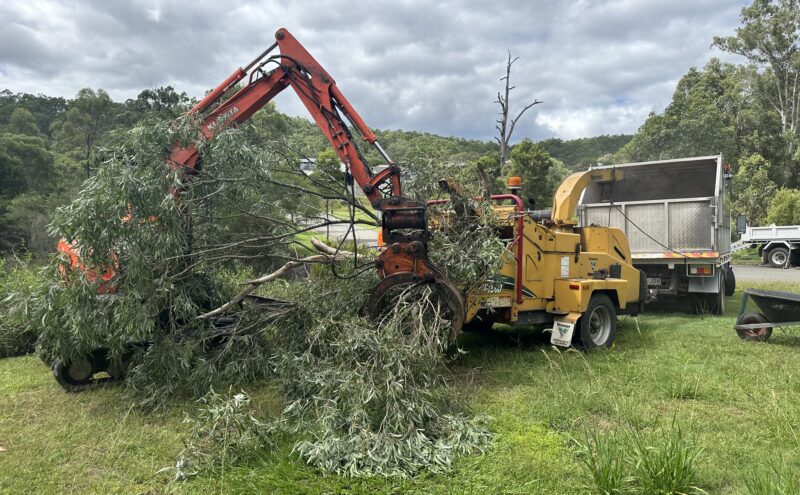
(598,325)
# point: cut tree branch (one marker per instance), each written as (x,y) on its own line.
(327,255)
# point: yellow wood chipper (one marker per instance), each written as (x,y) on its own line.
(557,274)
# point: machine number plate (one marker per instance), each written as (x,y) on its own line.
(497,302)
(562,334)
(654,282)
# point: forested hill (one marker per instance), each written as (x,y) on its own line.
(413,146)
(72,126)
(48,147)
(577,154)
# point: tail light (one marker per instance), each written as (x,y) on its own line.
(701,270)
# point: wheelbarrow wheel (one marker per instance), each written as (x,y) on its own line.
(760,334)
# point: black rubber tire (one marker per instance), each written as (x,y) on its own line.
(68,382)
(754,335)
(777,257)
(730,282)
(598,304)
(716,302)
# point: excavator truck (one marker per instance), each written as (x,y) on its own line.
(233,102)
(553,273)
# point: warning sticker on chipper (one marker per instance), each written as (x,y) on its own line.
(565,267)
(562,333)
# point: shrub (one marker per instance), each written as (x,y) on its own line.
(785,208)
(751,189)
(16,277)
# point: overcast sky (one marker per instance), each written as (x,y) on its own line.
(600,66)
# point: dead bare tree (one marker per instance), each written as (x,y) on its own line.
(505,127)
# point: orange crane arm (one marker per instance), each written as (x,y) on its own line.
(405,229)
(404,258)
(317,90)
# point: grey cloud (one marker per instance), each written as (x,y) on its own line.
(600,65)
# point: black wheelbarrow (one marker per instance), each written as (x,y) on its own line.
(778,309)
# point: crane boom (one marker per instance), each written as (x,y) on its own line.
(404,259)
(318,92)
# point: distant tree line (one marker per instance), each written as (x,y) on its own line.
(50,145)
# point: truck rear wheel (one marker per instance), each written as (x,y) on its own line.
(717,301)
(730,281)
(598,325)
(778,257)
(713,302)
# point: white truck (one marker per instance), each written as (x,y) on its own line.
(777,244)
(676,215)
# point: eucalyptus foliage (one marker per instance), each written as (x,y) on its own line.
(17,276)
(171,236)
(224,430)
(372,398)
(468,249)
(362,397)
(465,243)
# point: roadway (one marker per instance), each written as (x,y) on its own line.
(765,273)
(364,236)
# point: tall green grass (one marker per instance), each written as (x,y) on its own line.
(607,470)
(774,479)
(662,462)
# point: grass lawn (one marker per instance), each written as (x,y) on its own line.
(739,400)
